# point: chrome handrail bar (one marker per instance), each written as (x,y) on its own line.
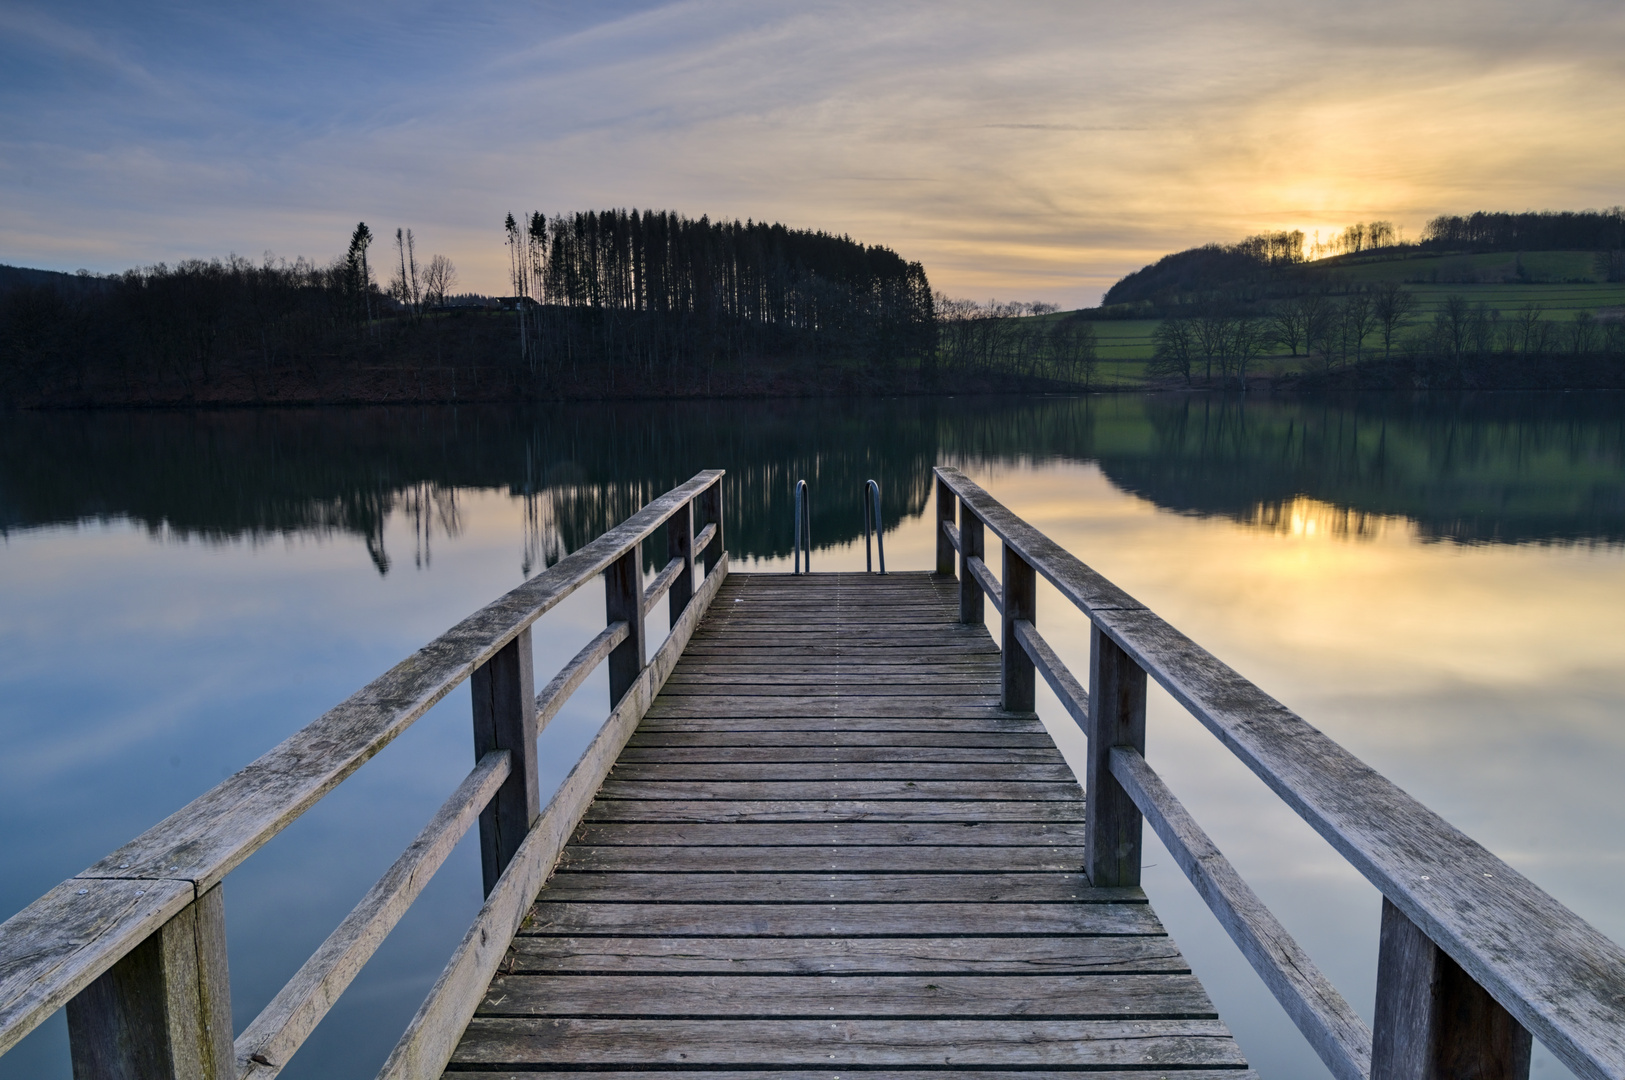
(803,537)
(871,518)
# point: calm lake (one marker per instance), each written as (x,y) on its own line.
(1438,584)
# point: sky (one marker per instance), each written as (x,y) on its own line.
(1023,151)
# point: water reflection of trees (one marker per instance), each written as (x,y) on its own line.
(1501,468)
(1511,469)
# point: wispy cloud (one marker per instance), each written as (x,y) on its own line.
(1038,150)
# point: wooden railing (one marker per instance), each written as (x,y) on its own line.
(135,946)
(1473,957)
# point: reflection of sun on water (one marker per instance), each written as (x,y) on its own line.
(1311,519)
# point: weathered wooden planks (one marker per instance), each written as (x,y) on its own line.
(1095,996)
(839,827)
(979,790)
(1142,954)
(825,833)
(810,887)
(756,738)
(834,756)
(784,858)
(1111,912)
(850,1042)
(758,811)
(891,1074)
(893,719)
(808,771)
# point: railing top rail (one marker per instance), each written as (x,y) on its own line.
(1554,972)
(57,945)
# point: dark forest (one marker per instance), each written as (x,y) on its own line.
(614,303)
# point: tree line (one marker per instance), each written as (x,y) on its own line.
(604,302)
(655,293)
(181,331)
(1006,339)
(1546,230)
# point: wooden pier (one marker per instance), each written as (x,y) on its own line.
(821,831)
(828,847)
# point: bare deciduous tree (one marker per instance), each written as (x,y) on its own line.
(1173,348)
(1287,323)
(1359,319)
(1392,305)
(1247,340)
(1072,348)
(408,284)
(1582,333)
(1213,328)
(439,277)
(1526,331)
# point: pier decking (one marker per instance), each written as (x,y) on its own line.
(826,847)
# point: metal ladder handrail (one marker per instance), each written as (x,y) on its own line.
(803,537)
(871,519)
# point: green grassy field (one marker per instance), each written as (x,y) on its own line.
(1558,301)
(1124,339)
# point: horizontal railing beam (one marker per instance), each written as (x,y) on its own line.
(703,538)
(951,531)
(1074,698)
(263,1049)
(1555,973)
(662,583)
(573,674)
(45,958)
(987,582)
(1332,1027)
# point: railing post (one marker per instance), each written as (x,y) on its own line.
(970,543)
(680,545)
(1112,823)
(164,1011)
(504,693)
(711,507)
(1020,604)
(945,513)
(623,602)
(1433,1022)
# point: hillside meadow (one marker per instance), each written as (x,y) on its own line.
(1562,283)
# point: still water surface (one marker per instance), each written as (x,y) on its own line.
(1439,585)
